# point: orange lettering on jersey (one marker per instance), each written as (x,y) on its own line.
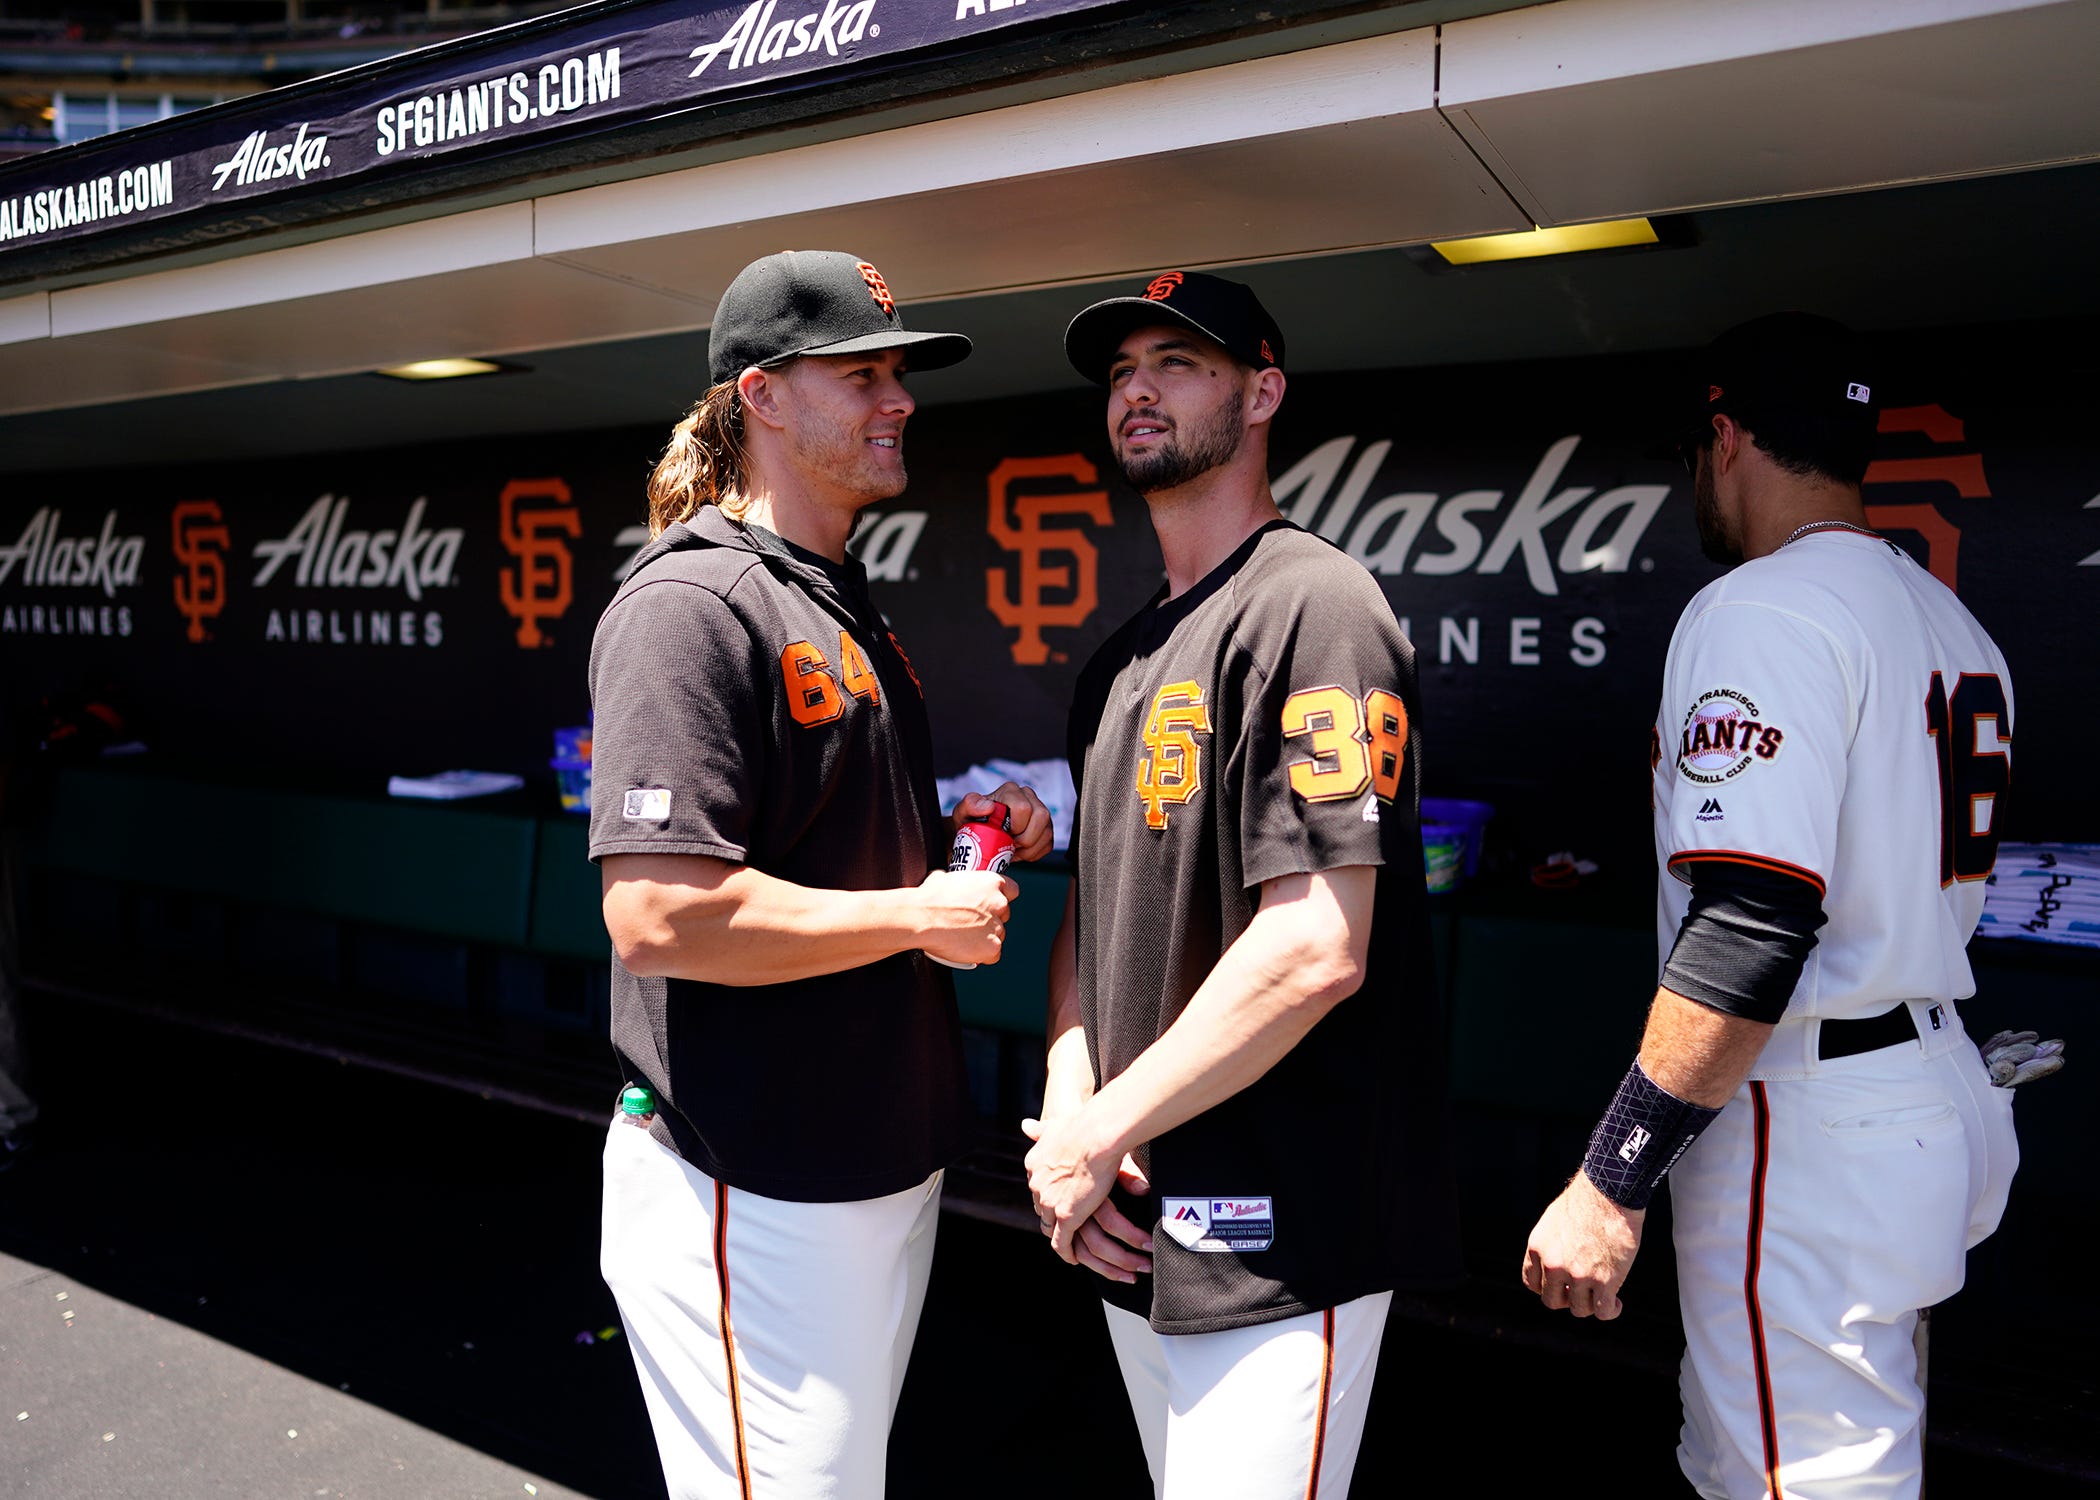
(1340,764)
(1385,721)
(898,647)
(813,696)
(858,676)
(1171,769)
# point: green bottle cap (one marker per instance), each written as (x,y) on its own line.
(636,1099)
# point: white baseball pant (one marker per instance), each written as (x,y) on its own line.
(1813,1219)
(1272,1412)
(771,1337)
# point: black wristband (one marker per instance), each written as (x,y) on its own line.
(1640,1138)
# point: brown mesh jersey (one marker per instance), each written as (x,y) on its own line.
(1260,725)
(752,706)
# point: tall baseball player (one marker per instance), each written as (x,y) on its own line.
(1832,752)
(772,850)
(1242,1121)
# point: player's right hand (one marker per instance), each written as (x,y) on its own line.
(1581,1250)
(963,916)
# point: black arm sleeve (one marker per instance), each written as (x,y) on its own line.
(1744,940)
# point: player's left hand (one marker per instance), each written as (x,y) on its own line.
(1581,1250)
(1069,1180)
(1028,820)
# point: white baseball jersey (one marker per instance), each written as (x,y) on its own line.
(1832,711)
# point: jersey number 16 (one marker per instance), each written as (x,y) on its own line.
(1972,778)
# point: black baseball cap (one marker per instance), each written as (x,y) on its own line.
(1225,312)
(1790,362)
(815,302)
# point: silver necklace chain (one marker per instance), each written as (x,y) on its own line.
(1802,531)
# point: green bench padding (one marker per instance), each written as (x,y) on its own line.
(1011,994)
(1545,1015)
(426,867)
(567,913)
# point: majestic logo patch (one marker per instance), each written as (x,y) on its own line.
(647,804)
(1220,1226)
(1171,769)
(1710,811)
(1723,736)
(1163,286)
(877,288)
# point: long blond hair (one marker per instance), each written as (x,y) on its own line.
(703,464)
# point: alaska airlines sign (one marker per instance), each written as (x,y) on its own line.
(519,86)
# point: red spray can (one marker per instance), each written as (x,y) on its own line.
(981,843)
(984,842)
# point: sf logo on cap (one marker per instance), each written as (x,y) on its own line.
(877,288)
(1163,287)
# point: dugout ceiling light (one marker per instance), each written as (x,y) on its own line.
(1615,234)
(444,369)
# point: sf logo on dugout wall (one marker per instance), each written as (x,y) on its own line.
(200,539)
(1020,599)
(534,515)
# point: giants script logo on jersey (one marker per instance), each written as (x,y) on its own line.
(1724,736)
(543,584)
(1028,608)
(201,540)
(1171,769)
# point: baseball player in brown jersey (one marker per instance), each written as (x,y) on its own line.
(1242,1121)
(1834,739)
(773,853)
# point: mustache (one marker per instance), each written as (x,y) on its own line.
(1150,414)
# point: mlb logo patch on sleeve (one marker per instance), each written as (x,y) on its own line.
(648,804)
(1220,1226)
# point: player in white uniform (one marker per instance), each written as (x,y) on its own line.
(1833,746)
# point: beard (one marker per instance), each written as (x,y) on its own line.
(1212,441)
(823,445)
(1714,541)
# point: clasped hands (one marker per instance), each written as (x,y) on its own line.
(1069,1181)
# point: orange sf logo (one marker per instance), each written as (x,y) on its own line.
(542,585)
(1960,472)
(1026,535)
(877,288)
(1171,769)
(1163,286)
(201,541)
